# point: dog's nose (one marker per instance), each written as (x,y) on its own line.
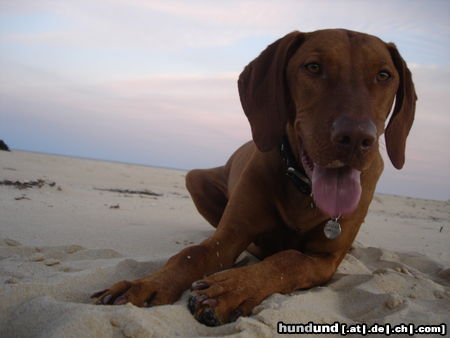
(352,135)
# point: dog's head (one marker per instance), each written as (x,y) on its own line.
(336,89)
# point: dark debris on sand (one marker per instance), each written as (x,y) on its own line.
(128,191)
(27,184)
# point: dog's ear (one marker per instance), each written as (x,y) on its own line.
(403,114)
(264,94)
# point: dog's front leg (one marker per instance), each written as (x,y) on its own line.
(192,263)
(223,297)
(243,219)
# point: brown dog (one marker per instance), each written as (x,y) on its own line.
(317,104)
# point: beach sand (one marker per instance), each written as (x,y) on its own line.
(75,226)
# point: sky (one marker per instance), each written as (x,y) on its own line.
(154,82)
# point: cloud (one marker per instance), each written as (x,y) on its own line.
(198,121)
(175,25)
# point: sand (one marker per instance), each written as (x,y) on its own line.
(68,235)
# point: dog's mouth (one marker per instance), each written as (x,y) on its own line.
(336,187)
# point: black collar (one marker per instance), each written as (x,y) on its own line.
(294,171)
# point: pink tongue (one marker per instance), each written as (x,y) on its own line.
(336,191)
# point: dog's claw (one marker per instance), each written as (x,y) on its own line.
(199,286)
(105,300)
(98,294)
(121,300)
(194,301)
(210,302)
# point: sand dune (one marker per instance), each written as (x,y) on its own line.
(65,239)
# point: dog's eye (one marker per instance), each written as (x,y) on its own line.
(383,75)
(313,68)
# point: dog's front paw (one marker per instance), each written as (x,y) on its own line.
(224,297)
(141,292)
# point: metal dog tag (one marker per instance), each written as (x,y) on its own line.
(332,229)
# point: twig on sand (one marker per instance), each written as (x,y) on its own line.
(128,191)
